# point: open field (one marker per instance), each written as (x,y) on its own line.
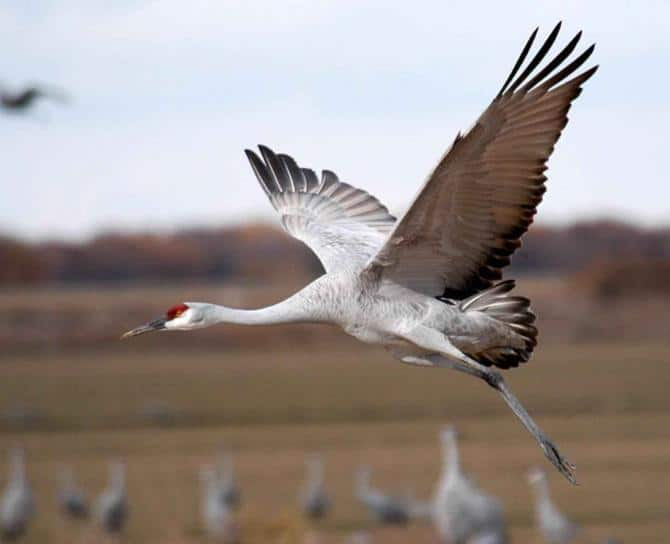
(605,404)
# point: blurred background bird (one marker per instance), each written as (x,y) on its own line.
(16,504)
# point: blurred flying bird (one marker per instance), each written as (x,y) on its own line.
(24,99)
(229,492)
(217,517)
(71,498)
(462,512)
(111,508)
(554,526)
(16,503)
(383,508)
(314,500)
(424,286)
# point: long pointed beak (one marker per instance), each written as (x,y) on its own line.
(155,325)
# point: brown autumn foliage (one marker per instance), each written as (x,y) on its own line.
(259,253)
(252,253)
(20,264)
(618,278)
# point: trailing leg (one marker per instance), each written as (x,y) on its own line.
(450,357)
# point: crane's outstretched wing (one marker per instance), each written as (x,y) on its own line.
(343,225)
(467,219)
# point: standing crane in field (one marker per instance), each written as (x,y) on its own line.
(463,513)
(16,503)
(554,526)
(71,498)
(384,508)
(424,286)
(229,492)
(314,500)
(217,516)
(111,508)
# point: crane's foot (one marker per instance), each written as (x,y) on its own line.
(565,467)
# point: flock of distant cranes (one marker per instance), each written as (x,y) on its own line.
(460,511)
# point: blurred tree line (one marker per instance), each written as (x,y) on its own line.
(257,252)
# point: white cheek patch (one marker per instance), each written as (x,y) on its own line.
(181,322)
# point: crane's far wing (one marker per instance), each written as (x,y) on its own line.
(469,216)
(343,225)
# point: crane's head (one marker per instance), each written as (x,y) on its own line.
(448,433)
(181,317)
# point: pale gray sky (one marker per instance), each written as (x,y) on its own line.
(167,95)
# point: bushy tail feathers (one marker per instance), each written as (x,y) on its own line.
(515,313)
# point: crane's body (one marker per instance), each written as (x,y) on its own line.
(71,498)
(314,500)
(229,492)
(383,508)
(16,504)
(217,516)
(111,507)
(463,513)
(554,526)
(424,286)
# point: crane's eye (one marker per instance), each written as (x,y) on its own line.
(175,311)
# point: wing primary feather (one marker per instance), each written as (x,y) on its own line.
(276,168)
(297,177)
(565,72)
(555,62)
(536,59)
(311,179)
(261,172)
(519,61)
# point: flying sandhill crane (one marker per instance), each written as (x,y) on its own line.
(462,512)
(217,516)
(424,286)
(71,498)
(25,98)
(229,492)
(111,508)
(314,500)
(16,503)
(554,526)
(383,508)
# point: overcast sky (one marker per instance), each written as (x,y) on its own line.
(167,94)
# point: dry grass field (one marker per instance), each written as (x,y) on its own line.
(169,403)
(606,405)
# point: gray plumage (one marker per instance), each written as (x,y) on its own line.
(16,504)
(71,498)
(314,501)
(111,507)
(463,513)
(554,526)
(382,507)
(424,286)
(229,492)
(217,516)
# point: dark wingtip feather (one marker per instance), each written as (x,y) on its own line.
(519,60)
(542,52)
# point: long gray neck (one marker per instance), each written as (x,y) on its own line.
(292,310)
(315,469)
(17,467)
(452,458)
(541,488)
(117,472)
